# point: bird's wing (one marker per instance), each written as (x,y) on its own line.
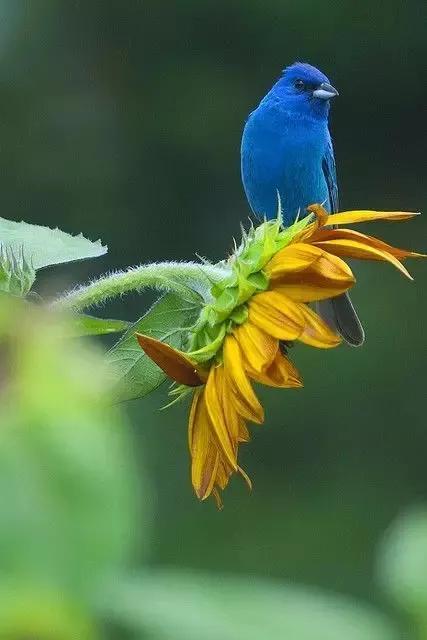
(330,173)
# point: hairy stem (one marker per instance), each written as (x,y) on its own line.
(189,279)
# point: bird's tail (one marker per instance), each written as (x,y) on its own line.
(341,316)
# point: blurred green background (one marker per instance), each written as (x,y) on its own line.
(122,119)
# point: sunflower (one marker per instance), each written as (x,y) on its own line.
(240,336)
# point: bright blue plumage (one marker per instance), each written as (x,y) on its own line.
(286,146)
(287,151)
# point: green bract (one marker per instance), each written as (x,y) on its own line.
(17,275)
(246,277)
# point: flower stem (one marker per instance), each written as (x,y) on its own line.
(190,279)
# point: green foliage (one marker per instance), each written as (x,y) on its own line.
(74,509)
(402,565)
(43,247)
(166,605)
(84,325)
(17,275)
(67,480)
(168,320)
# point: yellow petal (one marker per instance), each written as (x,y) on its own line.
(173,362)
(203,449)
(294,257)
(324,235)
(326,264)
(355,249)
(316,332)
(276,314)
(351,217)
(244,398)
(244,435)
(259,347)
(223,475)
(327,277)
(213,397)
(281,373)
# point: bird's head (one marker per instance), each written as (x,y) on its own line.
(305,90)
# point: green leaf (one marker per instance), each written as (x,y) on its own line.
(68,487)
(42,246)
(168,320)
(402,565)
(169,605)
(85,325)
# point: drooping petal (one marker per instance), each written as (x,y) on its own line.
(173,362)
(203,450)
(316,332)
(281,373)
(244,435)
(223,475)
(232,418)
(213,397)
(276,314)
(357,249)
(326,235)
(259,347)
(244,398)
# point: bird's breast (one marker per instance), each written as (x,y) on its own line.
(281,153)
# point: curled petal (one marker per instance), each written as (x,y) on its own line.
(203,449)
(281,373)
(244,398)
(276,314)
(357,249)
(326,235)
(316,332)
(259,348)
(213,397)
(174,363)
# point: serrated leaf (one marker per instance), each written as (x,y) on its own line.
(43,247)
(85,325)
(167,320)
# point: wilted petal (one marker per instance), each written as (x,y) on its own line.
(276,314)
(173,362)
(356,249)
(213,397)
(244,398)
(316,332)
(203,450)
(259,347)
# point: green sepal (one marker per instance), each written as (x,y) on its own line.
(240,314)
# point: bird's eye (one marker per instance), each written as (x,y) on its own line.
(299,84)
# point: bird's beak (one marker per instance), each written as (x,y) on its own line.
(325,91)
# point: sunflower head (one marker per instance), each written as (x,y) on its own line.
(253,313)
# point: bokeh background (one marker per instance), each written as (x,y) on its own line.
(122,119)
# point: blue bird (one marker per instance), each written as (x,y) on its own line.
(287,152)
